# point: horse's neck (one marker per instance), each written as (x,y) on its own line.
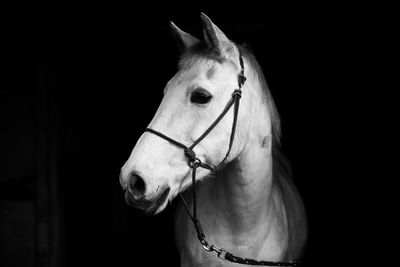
(239,195)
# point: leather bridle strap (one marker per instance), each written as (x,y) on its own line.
(195,162)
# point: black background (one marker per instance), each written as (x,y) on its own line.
(90,76)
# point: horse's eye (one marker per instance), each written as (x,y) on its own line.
(200,96)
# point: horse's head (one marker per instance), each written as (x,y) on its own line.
(158,170)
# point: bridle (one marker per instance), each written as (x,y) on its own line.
(194,162)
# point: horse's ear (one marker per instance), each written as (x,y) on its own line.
(184,40)
(216,39)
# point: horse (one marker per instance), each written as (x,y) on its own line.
(247,201)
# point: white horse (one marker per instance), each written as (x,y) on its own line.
(249,204)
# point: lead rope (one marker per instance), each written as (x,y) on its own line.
(195,162)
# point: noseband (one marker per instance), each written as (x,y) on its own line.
(194,162)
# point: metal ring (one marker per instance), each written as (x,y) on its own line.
(195,163)
(206,246)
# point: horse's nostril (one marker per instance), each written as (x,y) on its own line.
(137,187)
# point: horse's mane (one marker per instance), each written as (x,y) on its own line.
(275,120)
(282,169)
